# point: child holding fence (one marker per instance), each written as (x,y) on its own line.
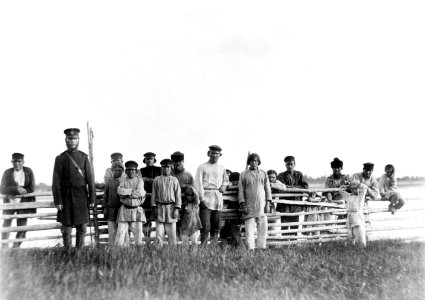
(355,200)
(166,202)
(190,220)
(388,189)
(131,214)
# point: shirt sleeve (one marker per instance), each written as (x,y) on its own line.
(123,191)
(154,193)
(90,180)
(138,191)
(177,192)
(267,188)
(198,183)
(381,184)
(241,193)
(106,193)
(303,182)
(372,191)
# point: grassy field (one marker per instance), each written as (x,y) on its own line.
(384,270)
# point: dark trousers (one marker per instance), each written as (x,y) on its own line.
(19,235)
(211,223)
(66,231)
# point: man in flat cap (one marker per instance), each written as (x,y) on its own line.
(18,180)
(184,177)
(109,174)
(211,181)
(73,189)
(366,178)
(292,179)
(149,173)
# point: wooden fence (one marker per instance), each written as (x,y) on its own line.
(302,231)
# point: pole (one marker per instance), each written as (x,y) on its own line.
(91,158)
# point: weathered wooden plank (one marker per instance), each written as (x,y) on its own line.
(31,227)
(26,205)
(37,238)
(21,216)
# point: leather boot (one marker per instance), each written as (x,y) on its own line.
(67,240)
(204,238)
(80,240)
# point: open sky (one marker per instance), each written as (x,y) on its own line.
(313,79)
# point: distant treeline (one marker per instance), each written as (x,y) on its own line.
(42,187)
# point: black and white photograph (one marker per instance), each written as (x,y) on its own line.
(212,150)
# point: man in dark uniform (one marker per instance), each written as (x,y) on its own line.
(148,174)
(18,180)
(73,189)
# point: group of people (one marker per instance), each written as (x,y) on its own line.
(182,206)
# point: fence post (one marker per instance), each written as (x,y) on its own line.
(91,158)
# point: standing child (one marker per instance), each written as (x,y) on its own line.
(131,214)
(388,189)
(111,200)
(254,198)
(166,202)
(190,220)
(355,218)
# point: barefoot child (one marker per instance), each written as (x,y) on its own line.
(388,189)
(166,202)
(190,220)
(131,215)
(111,200)
(355,200)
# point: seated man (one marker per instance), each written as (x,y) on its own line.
(388,189)
(366,178)
(336,180)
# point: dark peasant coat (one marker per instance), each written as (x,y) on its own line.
(71,190)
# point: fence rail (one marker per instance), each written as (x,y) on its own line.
(301,231)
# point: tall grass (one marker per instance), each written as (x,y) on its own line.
(384,270)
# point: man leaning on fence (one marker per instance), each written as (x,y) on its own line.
(18,180)
(73,189)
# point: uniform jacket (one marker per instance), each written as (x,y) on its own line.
(295,180)
(71,190)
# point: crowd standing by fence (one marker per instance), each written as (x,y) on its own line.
(205,206)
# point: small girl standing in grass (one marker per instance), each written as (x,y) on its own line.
(190,220)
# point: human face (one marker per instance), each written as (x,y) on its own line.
(367,173)
(117,172)
(18,164)
(190,197)
(272,178)
(389,172)
(336,172)
(214,156)
(290,166)
(130,171)
(166,170)
(149,161)
(253,163)
(72,142)
(179,166)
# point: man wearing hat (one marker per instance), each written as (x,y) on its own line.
(292,179)
(336,180)
(18,180)
(130,215)
(211,181)
(184,177)
(109,174)
(73,189)
(366,178)
(149,173)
